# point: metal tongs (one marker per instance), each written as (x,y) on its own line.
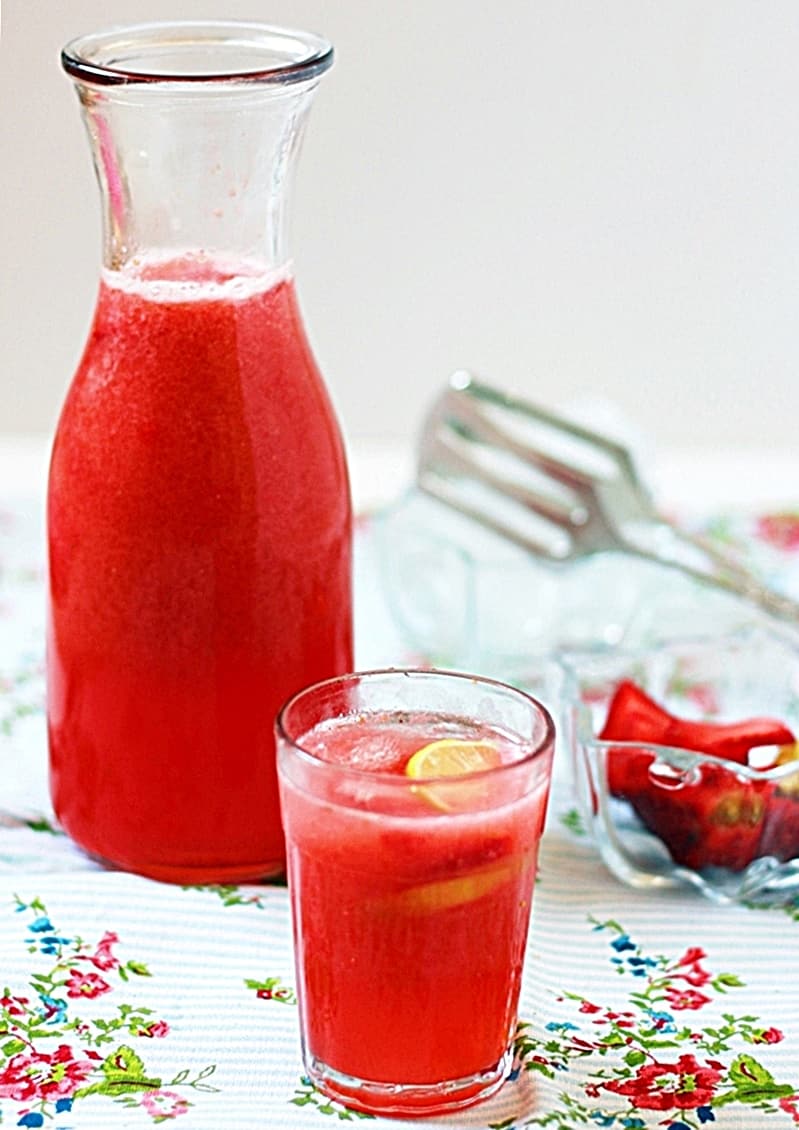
(561,491)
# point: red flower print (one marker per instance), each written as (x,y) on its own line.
(697,977)
(14,1006)
(684,1085)
(581,1045)
(686,998)
(586,1006)
(692,961)
(621,1019)
(32,1075)
(157,1029)
(86,985)
(102,958)
(780,530)
(790,1105)
(768,1036)
(692,955)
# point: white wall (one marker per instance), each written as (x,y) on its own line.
(568,196)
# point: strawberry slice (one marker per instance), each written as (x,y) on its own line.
(635,717)
(632,717)
(715,821)
(712,818)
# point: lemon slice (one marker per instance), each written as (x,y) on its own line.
(788,785)
(444,894)
(453,757)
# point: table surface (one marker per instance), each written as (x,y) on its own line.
(127,1002)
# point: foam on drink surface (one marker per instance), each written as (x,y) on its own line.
(385,742)
(194,276)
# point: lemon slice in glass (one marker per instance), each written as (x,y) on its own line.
(445,894)
(452,757)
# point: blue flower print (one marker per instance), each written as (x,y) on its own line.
(41,925)
(33,1118)
(663,1021)
(640,965)
(48,1061)
(562,1026)
(54,1011)
(684,1088)
(51,944)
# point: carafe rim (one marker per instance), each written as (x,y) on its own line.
(162,52)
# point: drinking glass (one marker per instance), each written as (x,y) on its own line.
(410,890)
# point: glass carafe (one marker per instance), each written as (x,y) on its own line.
(199,520)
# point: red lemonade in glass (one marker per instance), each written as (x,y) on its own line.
(411,897)
(195,580)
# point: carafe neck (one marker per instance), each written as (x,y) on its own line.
(194,139)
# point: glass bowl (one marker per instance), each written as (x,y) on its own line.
(688,819)
(461,596)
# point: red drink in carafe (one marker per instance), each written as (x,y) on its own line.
(199,519)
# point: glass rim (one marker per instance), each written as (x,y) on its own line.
(109,57)
(546,741)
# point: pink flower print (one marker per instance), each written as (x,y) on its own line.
(586,1006)
(157,1029)
(768,1036)
(684,1085)
(164,1104)
(17,1079)
(86,986)
(704,696)
(102,958)
(596,695)
(686,998)
(32,1075)
(780,530)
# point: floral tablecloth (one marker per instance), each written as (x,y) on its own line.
(126,1003)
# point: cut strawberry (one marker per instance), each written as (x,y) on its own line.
(712,817)
(632,717)
(780,836)
(635,717)
(714,822)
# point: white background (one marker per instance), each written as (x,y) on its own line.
(570,197)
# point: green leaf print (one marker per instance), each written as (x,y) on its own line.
(753,1083)
(123,1070)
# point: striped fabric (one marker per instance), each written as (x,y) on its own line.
(127,1003)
